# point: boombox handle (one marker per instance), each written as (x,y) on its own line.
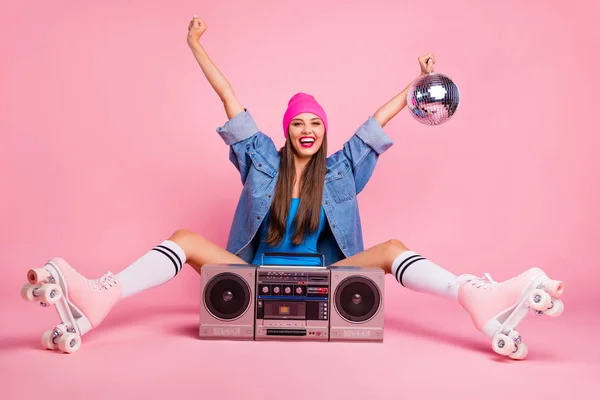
(283,254)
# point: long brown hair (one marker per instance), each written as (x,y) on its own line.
(311,195)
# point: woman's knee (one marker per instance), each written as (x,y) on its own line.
(393,248)
(183,237)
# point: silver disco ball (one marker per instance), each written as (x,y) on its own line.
(433,99)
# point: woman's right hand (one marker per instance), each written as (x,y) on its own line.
(195,29)
(216,79)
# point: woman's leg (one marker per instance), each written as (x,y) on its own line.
(166,260)
(409,268)
(200,251)
(495,308)
(90,300)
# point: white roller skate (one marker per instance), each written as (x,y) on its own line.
(496,308)
(81,304)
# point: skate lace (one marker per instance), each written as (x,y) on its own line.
(104,282)
(486,282)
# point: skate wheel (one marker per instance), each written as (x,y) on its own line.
(37,275)
(50,293)
(27,292)
(520,353)
(539,300)
(556,308)
(69,342)
(555,288)
(503,344)
(47,342)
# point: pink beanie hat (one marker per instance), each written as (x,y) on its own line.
(301,103)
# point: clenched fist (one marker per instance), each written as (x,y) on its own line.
(195,29)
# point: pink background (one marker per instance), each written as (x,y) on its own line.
(108,145)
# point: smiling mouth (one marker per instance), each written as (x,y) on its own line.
(307,142)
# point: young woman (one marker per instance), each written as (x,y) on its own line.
(298,200)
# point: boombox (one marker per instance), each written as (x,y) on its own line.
(282,302)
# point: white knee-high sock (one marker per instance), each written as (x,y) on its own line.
(419,274)
(154,268)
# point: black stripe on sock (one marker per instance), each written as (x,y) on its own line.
(172,252)
(404,262)
(406,267)
(170,258)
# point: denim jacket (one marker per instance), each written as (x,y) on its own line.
(348,170)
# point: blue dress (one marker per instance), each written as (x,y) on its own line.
(308,245)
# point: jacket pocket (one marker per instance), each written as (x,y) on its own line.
(340,181)
(262,173)
(260,163)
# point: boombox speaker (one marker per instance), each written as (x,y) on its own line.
(357,296)
(227,302)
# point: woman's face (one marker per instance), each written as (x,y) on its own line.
(306,133)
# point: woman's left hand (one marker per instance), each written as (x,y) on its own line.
(426,62)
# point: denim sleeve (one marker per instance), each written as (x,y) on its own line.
(362,151)
(243,137)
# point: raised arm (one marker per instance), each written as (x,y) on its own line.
(390,109)
(216,79)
